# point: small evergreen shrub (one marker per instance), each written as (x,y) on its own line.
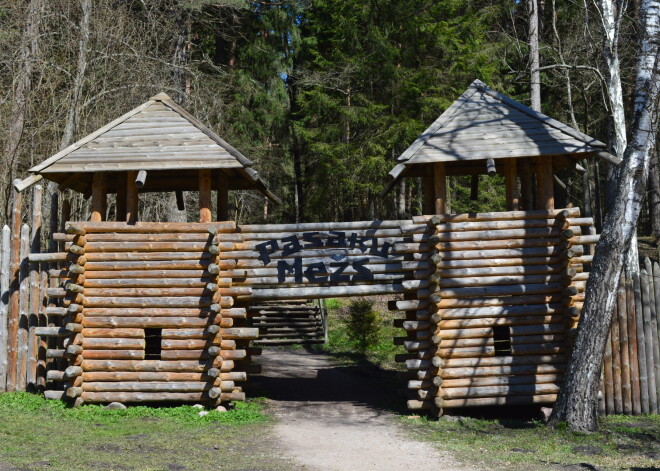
(363,324)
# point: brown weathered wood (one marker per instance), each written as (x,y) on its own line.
(440,186)
(222,196)
(107,333)
(615,339)
(24,310)
(114,343)
(120,199)
(511,183)
(35,300)
(499,401)
(641,344)
(131,198)
(626,389)
(99,196)
(13,314)
(632,347)
(654,325)
(608,381)
(648,340)
(154,366)
(205,195)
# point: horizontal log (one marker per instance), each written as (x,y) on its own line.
(196,344)
(180,333)
(502,380)
(477,234)
(147,292)
(51,332)
(492,271)
(499,401)
(55,375)
(273,229)
(198,282)
(237,333)
(104,247)
(55,311)
(496,216)
(501,371)
(73,371)
(154,365)
(145,386)
(147,302)
(167,355)
(138,397)
(454,227)
(492,253)
(143,322)
(501,280)
(499,265)
(493,321)
(154,274)
(488,351)
(287,341)
(478,332)
(114,343)
(111,257)
(149,227)
(516,340)
(55,353)
(113,333)
(144,376)
(506,290)
(414,404)
(527,299)
(328,291)
(503,361)
(49,257)
(497,311)
(113,354)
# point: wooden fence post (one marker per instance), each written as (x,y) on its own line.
(625,355)
(12,341)
(654,327)
(23,310)
(35,300)
(632,348)
(641,344)
(615,337)
(4,304)
(648,340)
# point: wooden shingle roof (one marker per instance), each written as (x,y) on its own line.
(157,136)
(484,124)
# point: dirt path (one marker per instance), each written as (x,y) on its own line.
(331,418)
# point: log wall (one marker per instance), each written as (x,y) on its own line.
(289,322)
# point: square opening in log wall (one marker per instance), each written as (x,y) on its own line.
(153,339)
(502,340)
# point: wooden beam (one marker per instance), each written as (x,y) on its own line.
(131,197)
(205,195)
(223,196)
(121,198)
(429,192)
(99,196)
(545,198)
(511,183)
(440,185)
(14,287)
(527,196)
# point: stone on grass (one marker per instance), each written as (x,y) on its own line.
(544,413)
(198,406)
(203,413)
(115,406)
(221,409)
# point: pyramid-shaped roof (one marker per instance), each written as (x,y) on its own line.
(484,124)
(157,136)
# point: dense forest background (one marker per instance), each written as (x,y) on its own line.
(322,94)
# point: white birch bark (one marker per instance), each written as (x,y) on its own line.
(534,62)
(577,401)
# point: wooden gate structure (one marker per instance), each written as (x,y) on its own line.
(155,311)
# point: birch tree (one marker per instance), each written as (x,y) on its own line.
(577,401)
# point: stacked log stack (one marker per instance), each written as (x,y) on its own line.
(288,322)
(500,313)
(148,314)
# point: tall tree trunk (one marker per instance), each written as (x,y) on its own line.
(22,88)
(534,61)
(578,398)
(612,12)
(183,21)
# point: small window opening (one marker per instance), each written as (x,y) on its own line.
(502,339)
(153,339)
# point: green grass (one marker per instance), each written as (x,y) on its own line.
(37,433)
(621,443)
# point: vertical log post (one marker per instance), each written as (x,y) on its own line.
(223,196)
(511,183)
(15,263)
(99,196)
(616,362)
(608,386)
(35,299)
(23,310)
(632,348)
(526,185)
(648,340)
(429,193)
(440,186)
(121,197)
(654,326)
(641,344)
(131,198)
(4,303)
(626,389)
(205,195)
(545,198)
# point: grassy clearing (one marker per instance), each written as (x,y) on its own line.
(622,443)
(40,434)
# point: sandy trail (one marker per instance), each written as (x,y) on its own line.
(329,418)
